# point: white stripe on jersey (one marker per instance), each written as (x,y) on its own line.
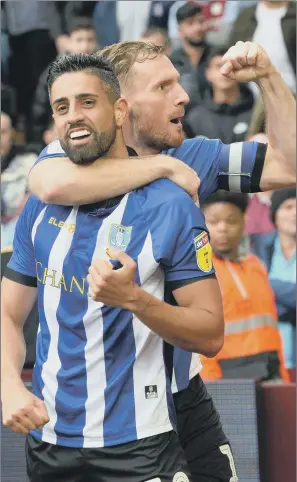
(33,234)
(235,162)
(51,300)
(36,224)
(94,349)
(150,414)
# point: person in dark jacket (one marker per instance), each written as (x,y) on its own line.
(226,108)
(82,39)
(191,57)
(278,252)
(272,24)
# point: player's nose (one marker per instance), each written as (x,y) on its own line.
(182,97)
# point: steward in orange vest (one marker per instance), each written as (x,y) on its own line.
(252,347)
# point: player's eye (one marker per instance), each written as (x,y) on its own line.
(61,109)
(89,102)
(162,87)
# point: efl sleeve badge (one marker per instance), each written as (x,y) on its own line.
(203,252)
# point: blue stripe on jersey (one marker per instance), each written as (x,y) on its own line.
(119,344)
(249,152)
(224,167)
(45,237)
(181,358)
(72,391)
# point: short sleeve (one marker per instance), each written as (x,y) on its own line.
(22,267)
(54,149)
(233,167)
(180,239)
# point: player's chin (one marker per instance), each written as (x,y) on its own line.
(177,137)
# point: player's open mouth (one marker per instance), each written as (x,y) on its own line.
(79,134)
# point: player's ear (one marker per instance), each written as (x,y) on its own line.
(120,111)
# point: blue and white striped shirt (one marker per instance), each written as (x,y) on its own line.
(232,167)
(100,371)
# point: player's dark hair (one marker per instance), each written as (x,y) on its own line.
(90,63)
(239,200)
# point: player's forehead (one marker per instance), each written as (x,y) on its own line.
(72,84)
(153,71)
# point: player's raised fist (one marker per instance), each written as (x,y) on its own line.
(22,411)
(246,62)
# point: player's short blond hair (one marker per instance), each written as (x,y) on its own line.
(124,55)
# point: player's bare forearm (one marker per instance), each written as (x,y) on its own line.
(246,62)
(16,304)
(191,328)
(59,181)
(13,351)
(280,107)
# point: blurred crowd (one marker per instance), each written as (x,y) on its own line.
(196,35)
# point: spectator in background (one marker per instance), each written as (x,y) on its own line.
(82,39)
(193,53)
(272,24)
(190,58)
(132,18)
(34,30)
(49,134)
(278,252)
(258,212)
(159,14)
(257,218)
(16,163)
(252,346)
(105,23)
(77,9)
(157,36)
(225,110)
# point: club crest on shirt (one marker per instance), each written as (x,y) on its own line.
(119,236)
(203,252)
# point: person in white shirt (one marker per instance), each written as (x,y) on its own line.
(272,24)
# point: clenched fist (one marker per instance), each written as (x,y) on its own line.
(113,287)
(22,411)
(246,62)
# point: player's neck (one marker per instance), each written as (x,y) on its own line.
(141,149)
(118,149)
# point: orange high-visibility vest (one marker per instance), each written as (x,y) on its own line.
(252,345)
